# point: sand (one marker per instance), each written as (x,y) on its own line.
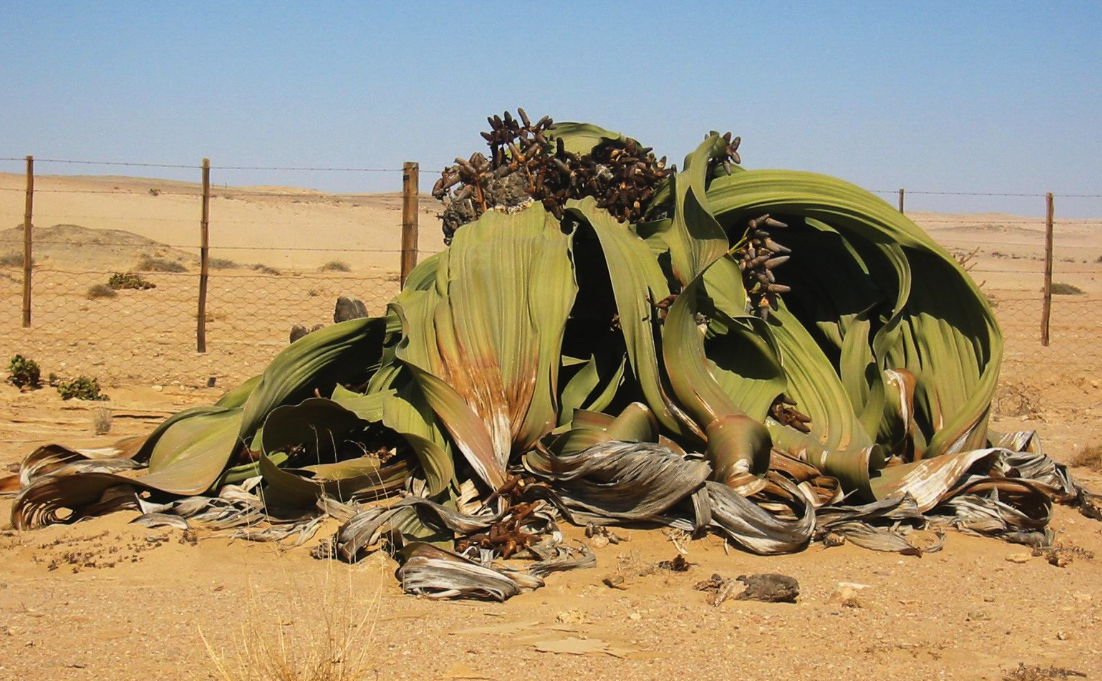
(107,600)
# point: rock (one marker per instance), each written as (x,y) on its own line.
(1081,596)
(1062,636)
(988,599)
(769,587)
(570,617)
(349,308)
(614,582)
(847,596)
(635,617)
(298,331)
(1019,558)
(834,539)
(978,616)
(158,388)
(1058,560)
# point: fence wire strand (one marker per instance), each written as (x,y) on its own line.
(265,281)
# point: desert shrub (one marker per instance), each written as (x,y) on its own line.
(1089,457)
(1062,289)
(11,260)
(1098,259)
(335,266)
(148,264)
(221,264)
(153,191)
(129,280)
(80,388)
(264,269)
(24,372)
(101,291)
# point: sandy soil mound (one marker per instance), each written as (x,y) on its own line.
(77,247)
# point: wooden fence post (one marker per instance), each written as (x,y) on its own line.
(28,256)
(409,219)
(1046,310)
(204,262)
(900,199)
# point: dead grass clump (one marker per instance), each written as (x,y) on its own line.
(1016,399)
(101,291)
(335,266)
(11,260)
(148,264)
(101,421)
(222,264)
(1089,457)
(264,269)
(966,259)
(301,636)
(1062,289)
(1033,673)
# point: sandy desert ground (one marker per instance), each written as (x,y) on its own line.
(107,600)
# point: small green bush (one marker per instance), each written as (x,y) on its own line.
(148,264)
(1061,289)
(222,264)
(80,388)
(335,266)
(129,280)
(101,291)
(24,372)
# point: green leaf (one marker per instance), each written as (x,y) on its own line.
(347,352)
(488,363)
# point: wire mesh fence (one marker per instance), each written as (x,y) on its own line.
(280,257)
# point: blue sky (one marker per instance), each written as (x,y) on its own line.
(962,96)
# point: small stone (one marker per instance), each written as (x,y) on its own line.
(1062,636)
(349,308)
(570,617)
(978,616)
(599,542)
(769,587)
(846,596)
(635,617)
(1083,597)
(614,582)
(988,599)
(1018,558)
(158,388)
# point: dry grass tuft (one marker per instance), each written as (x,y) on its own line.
(1089,457)
(1033,673)
(335,266)
(303,634)
(101,421)
(1062,289)
(101,291)
(1016,399)
(148,264)
(11,260)
(222,264)
(264,269)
